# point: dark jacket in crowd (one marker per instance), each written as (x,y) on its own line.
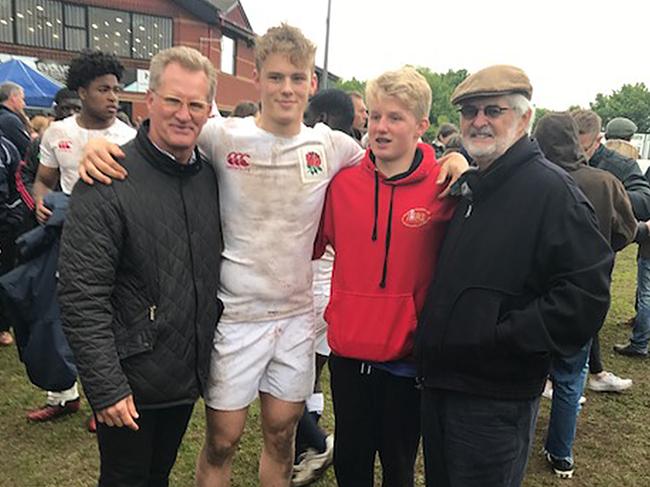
(523,273)
(628,172)
(557,135)
(12,127)
(139,271)
(31,307)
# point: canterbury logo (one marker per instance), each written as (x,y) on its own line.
(416,217)
(238,160)
(65,145)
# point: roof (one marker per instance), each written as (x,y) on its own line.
(228,13)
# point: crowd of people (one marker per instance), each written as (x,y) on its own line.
(446,285)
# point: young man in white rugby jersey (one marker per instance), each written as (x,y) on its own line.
(95,76)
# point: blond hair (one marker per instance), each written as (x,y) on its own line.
(588,121)
(405,84)
(287,40)
(188,58)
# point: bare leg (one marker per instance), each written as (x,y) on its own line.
(279,420)
(222,435)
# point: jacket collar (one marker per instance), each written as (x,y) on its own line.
(161,160)
(422,165)
(476,185)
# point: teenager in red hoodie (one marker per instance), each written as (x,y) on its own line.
(386,221)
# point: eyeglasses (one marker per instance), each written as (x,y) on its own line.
(470,112)
(195,107)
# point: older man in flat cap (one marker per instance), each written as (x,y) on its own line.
(523,273)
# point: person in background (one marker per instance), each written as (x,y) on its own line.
(638,190)
(360,124)
(618,134)
(245,109)
(95,76)
(557,136)
(314,447)
(14,125)
(445,132)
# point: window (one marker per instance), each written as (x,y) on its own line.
(58,25)
(228,54)
(150,35)
(39,23)
(75,28)
(110,30)
(6,21)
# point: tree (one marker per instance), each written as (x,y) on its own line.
(351,85)
(631,101)
(442,86)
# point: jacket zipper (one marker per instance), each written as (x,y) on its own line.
(196,295)
(152,312)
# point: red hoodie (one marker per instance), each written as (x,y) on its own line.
(387,233)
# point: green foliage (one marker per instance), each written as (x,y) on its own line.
(442,86)
(351,85)
(631,101)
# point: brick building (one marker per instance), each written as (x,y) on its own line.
(48,33)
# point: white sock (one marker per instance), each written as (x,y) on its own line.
(315,403)
(59,398)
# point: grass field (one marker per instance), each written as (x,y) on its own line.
(612,447)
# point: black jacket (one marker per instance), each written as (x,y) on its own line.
(12,127)
(139,271)
(628,172)
(523,273)
(31,307)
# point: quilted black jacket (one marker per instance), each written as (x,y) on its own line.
(139,271)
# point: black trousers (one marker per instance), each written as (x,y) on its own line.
(375,412)
(595,362)
(142,458)
(8,256)
(472,441)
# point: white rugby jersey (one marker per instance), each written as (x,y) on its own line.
(272,191)
(322,269)
(63,142)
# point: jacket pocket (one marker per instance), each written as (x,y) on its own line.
(377,328)
(472,321)
(139,336)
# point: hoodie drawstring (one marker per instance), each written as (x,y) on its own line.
(382,284)
(374,226)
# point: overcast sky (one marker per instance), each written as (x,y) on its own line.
(570,49)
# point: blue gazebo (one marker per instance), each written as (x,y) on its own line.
(39,89)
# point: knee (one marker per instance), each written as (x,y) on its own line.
(279,440)
(219,450)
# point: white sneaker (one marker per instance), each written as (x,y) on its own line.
(608,382)
(548,393)
(312,465)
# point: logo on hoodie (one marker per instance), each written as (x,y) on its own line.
(416,217)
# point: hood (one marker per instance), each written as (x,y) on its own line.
(557,136)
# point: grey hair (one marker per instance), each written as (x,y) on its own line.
(521,106)
(7,89)
(188,58)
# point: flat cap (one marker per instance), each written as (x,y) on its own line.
(620,128)
(497,80)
